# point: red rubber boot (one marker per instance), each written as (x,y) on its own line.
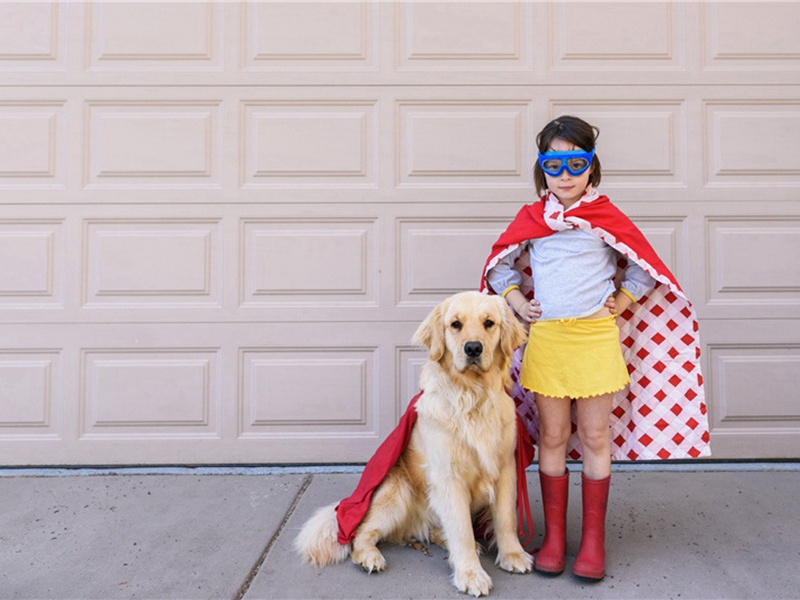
(590,563)
(555,490)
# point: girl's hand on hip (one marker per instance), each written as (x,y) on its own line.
(611,304)
(530,311)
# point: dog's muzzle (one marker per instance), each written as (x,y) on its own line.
(473,350)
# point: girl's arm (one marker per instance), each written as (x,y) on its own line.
(637,283)
(528,310)
(505,280)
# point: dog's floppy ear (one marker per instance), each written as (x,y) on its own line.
(430,333)
(512,332)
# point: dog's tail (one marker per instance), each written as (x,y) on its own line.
(318,540)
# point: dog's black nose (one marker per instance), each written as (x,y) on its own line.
(473,349)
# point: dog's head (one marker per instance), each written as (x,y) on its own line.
(471,333)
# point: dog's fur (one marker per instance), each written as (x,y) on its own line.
(460,458)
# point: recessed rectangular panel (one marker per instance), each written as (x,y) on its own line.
(768,42)
(440,257)
(616,35)
(308,262)
(740,376)
(319,36)
(165,393)
(299,390)
(31,263)
(26,261)
(455,144)
(753,261)
(153,145)
(30,394)
(463,35)
(321,136)
(737,134)
(33,140)
(152,262)
(309,143)
(640,141)
(31,36)
(124,36)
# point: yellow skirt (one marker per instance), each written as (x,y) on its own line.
(577,358)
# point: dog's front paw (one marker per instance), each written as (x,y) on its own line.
(473,581)
(515,562)
(369,559)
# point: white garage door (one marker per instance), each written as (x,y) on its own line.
(221,222)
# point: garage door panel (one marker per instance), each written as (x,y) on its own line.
(303,391)
(32,35)
(309,262)
(741,373)
(134,36)
(32,255)
(771,43)
(151,144)
(319,143)
(302,36)
(751,370)
(446,143)
(441,256)
(751,266)
(733,128)
(447,36)
(619,35)
(150,393)
(141,262)
(31,394)
(34,144)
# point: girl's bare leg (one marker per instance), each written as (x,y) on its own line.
(554,431)
(593,430)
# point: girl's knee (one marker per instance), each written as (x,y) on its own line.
(594,440)
(553,437)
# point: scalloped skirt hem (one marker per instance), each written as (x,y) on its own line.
(578,396)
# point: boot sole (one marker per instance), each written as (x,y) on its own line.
(589,578)
(548,573)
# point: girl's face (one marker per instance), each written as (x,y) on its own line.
(567,188)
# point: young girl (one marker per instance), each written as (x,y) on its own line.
(591,267)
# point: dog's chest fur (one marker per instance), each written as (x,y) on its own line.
(473,433)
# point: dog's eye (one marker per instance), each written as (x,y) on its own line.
(456,325)
(488,323)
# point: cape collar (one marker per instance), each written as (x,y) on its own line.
(557,218)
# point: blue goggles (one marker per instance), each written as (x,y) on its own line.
(574,161)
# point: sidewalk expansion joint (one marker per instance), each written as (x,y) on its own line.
(263,557)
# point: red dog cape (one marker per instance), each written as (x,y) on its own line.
(662,413)
(352,510)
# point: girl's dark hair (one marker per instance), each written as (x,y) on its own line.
(575,131)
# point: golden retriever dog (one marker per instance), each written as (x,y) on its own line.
(460,459)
